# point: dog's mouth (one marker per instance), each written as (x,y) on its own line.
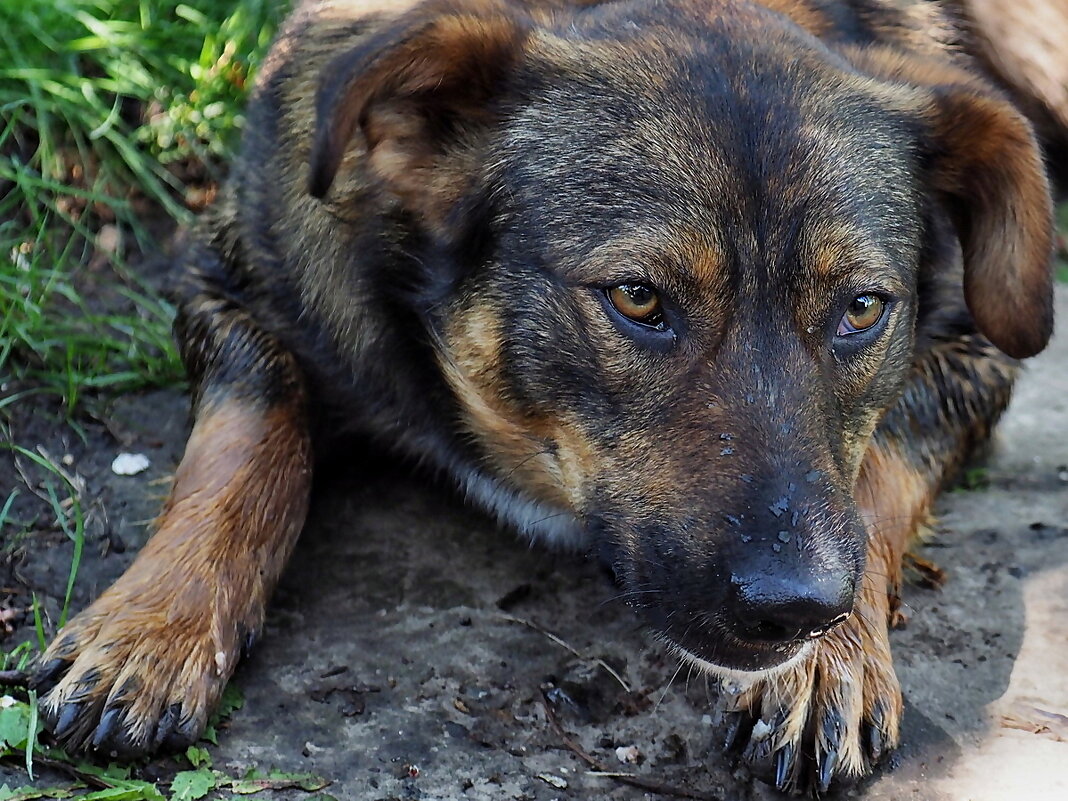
(701,641)
(695,622)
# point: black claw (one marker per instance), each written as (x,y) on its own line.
(109,723)
(832,726)
(758,753)
(85,683)
(734,722)
(48,675)
(828,762)
(248,642)
(182,735)
(68,718)
(780,718)
(168,722)
(874,736)
(125,747)
(784,767)
(875,744)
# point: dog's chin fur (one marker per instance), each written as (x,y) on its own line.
(735,676)
(533,519)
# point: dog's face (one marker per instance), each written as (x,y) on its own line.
(683,254)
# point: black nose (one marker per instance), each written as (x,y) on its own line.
(775,609)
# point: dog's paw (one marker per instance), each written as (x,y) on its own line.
(135,673)
(827,718)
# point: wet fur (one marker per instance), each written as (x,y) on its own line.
(402,252)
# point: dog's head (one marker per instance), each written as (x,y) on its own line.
(672,259)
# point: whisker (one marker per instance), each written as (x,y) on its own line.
(663,695)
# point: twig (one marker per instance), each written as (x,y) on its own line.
(75,480)
(530,624)
(14,678)
(87,779)
(601,769)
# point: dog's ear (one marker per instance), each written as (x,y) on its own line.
(985,161)
(417,89)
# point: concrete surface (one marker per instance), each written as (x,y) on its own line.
(389,666)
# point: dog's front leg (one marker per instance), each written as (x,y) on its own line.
(141,669)
(834,712)
(837,710)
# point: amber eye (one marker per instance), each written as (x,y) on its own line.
(637,302)
(863,312)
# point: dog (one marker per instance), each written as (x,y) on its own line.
(719,291)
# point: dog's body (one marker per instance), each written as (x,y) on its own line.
(707,288)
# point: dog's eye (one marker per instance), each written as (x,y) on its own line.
(639,303)
(863,312)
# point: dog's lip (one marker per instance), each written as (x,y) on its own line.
(730,654)
(740,673)
(716,647)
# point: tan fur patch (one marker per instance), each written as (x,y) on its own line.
(549,459)
(894,499)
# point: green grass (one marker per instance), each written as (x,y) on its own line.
(20,728)
(68,516)
(107,109)
(1060,267)
(113,115)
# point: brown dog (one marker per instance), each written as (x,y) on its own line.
(719,290)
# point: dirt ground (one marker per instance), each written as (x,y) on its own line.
(409,648)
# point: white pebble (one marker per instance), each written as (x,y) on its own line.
(761,730)
(129,464)
(555,781)
(628,754)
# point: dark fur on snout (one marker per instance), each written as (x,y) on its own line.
(435,204)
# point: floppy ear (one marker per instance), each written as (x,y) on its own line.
(985,160)
(417,90)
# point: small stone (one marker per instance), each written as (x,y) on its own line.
(761,731)
(628,754)
(129,464)
(780,506)
(555,781)
(109,240)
